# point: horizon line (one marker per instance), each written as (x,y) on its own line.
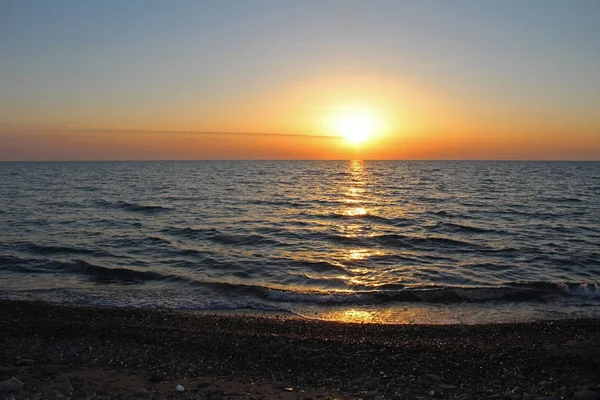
(298,159)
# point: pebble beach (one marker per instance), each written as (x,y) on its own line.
(82,352)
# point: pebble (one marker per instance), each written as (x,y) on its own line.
(371,396)
(372,385)
(587,395)
(180,388)
(65,387)
(157,378)
(50,370)
(448,388)
(11,385)
(140,392)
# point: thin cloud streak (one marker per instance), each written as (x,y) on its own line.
(33,131)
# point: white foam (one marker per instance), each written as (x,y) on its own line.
(590,291)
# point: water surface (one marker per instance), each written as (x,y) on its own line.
(393,241)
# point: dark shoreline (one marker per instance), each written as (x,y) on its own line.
(552,359)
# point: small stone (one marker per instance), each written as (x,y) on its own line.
(25,361)
(140,392)
(66,387)
(356,382)
(370,395)
(157,378)
(50,370)
(517,390)
(433,378)
(448,388)
(587,395)
(378,397)
(11,385)
(180,388)
(372,385)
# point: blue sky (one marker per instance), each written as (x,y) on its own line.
(121,63)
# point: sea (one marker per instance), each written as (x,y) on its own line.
(409,242)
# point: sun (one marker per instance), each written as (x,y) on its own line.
(355,124)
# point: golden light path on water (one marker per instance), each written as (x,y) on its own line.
(356,205)
(360,200)
(400,315)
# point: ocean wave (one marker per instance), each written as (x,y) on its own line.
(93,272)
(134,207)
(51,250)
(461,228)
(542,291)
(440,213)
(561,199)
(420,241)
(370,217)
(395,240)
(590,291)
(511,292)
(216,236)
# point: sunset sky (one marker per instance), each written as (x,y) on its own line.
(288,79)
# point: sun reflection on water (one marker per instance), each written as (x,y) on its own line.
(403,315)
(355,190)
(356,212)
(359,254)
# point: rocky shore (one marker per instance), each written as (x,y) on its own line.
(70,352)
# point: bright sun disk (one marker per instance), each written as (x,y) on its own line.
(356,125)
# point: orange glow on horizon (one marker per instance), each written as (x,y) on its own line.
(336,117)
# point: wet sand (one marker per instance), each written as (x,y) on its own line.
(77,352)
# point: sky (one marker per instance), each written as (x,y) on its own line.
(275,79)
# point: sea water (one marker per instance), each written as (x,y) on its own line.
(362,241)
